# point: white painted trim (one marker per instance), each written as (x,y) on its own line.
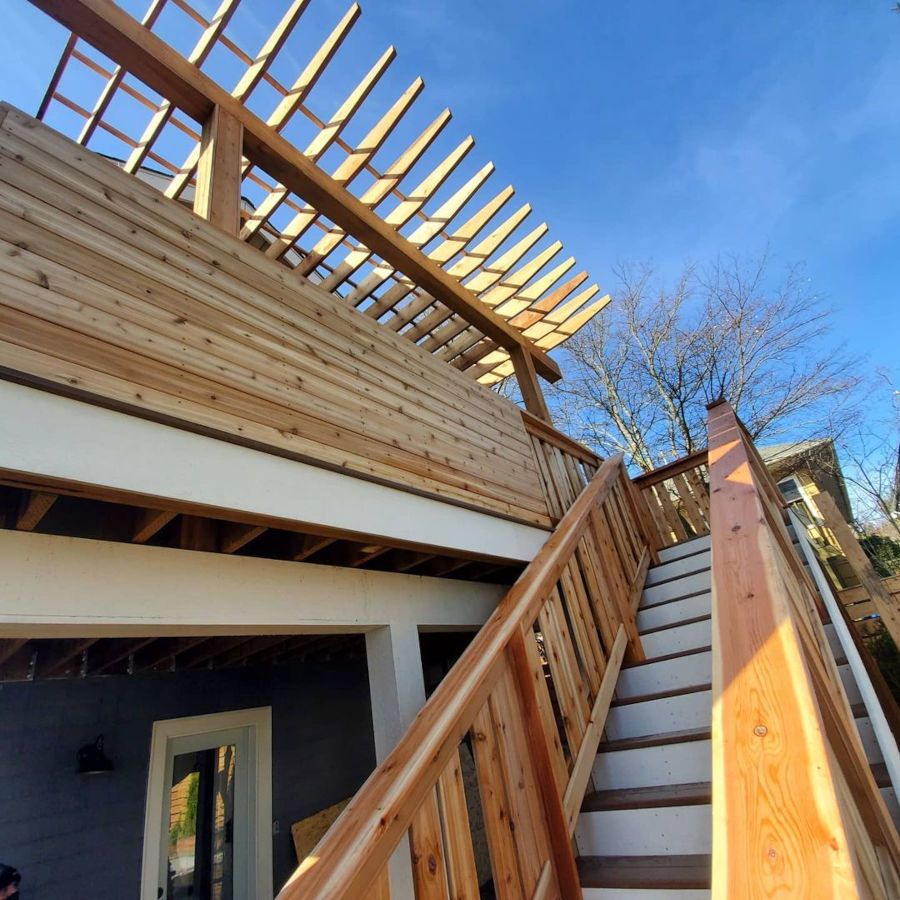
(63,438)
(258,721)
(53,586)
(880,727)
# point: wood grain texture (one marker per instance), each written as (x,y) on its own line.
(779,815)
(885,603)
(184,86)
(108,288)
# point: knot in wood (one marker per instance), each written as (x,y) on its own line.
(432,864)
(760,731)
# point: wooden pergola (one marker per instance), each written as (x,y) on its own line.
(457,279)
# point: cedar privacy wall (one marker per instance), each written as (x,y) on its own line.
(109,289)
(81,837)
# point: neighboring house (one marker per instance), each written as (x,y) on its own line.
(802,470)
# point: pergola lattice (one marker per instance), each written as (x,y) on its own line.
(472,235)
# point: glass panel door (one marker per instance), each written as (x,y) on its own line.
(206,816)
(207,826)
(201,825)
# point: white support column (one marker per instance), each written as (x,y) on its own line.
(397,688)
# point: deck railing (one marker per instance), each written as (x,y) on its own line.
(564,466)
(796,811)
(530,697)
(677,496)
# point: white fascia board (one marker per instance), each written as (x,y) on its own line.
(53,586)
(53,436)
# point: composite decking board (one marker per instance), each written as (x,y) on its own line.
(107,187)
(431,437)
(683,871)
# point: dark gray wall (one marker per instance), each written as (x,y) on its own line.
(80,837)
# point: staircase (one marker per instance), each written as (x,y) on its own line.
(644,832)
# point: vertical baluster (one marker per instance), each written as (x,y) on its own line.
(529,827)
(570,689)
(605,614)
(381,887)
(460,859)
(427,849)
(584,630)
(507,880)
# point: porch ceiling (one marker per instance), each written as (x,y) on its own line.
(472,239)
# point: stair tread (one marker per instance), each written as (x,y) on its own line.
(670,625)
(662,695)
(689,871)
(687,574)
(646,797)
(705,589)
(655,740)
(667,656)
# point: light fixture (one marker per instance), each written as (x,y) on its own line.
(92,760)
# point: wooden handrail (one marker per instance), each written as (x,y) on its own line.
(676,497)
(539,428)
(670,469)
(795,808)
(577,592)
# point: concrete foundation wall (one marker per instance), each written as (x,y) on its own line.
(81,837)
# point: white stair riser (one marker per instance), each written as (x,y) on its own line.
(682,587)
(850,685)
(834,642)
(677,639)
(676,611)
(660,716)
(684,549)
(870,744)
(667,675)
(890,800)
(688,762)
(645,832)
(643,894)
(678,567)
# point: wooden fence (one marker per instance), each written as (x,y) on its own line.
(530,695)
(796,811)
(859,604)
(677,496)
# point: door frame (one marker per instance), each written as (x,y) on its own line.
(257,722)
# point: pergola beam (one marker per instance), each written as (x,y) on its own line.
(128,43)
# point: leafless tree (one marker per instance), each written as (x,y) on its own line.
(870,464)
(639,377)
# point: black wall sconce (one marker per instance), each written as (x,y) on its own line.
(92,760)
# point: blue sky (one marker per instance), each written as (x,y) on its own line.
(669,132)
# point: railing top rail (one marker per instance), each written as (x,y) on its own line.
(546,432)
(671,469)
(780,715)
(359,844)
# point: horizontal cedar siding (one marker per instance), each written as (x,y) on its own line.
(109,288)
